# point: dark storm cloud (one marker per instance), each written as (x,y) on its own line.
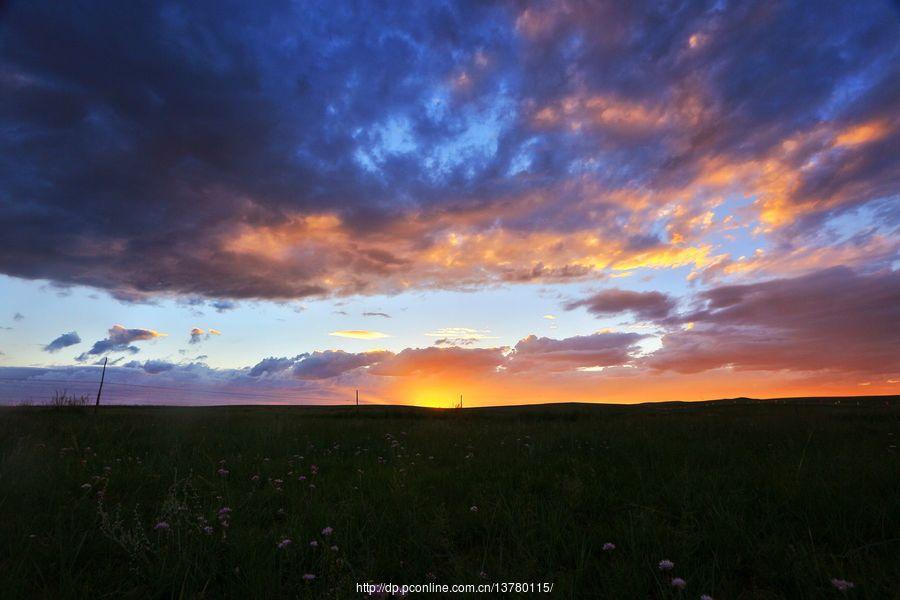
(317,365)
(152,367)
(832,319)
(644,305)
(180,148)
(63,341)
(584,351)
(273,366)
(331,363)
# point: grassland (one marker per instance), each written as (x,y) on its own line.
(749,500)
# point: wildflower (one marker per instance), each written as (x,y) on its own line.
(284,543)
(224,512)
(85,486)
(473,509)
(666,565)
(301,478)
(334,548)
(255,478)
(842,585)
(327,531)
(706,597)
(308,577)
(161,526)
(679,583)
(312,486)
(223,472)
(609,547)
(314,544)
(208,530)
(483,575)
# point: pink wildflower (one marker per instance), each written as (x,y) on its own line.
(842,585)
(314,544)
(666,565)
(609,547)
(327,531)
(679,583)
(161,526)
(284,543)
(308,576)
(473,509)
(223,472)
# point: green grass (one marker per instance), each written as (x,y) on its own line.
(748,500)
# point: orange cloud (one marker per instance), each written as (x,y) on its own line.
(864,133)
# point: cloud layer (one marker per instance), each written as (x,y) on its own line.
(833,319)
(256,151)
(830,331)
(644,305)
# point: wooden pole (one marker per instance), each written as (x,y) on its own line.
(357,401)
(102,377)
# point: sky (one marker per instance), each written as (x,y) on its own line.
(512,202)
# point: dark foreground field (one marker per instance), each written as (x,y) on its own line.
(748,500)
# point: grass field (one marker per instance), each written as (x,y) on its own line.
(749,500)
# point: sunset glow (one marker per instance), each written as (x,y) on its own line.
(513,202)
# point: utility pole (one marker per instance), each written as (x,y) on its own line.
(357,401)
(102,377)
(460,400)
